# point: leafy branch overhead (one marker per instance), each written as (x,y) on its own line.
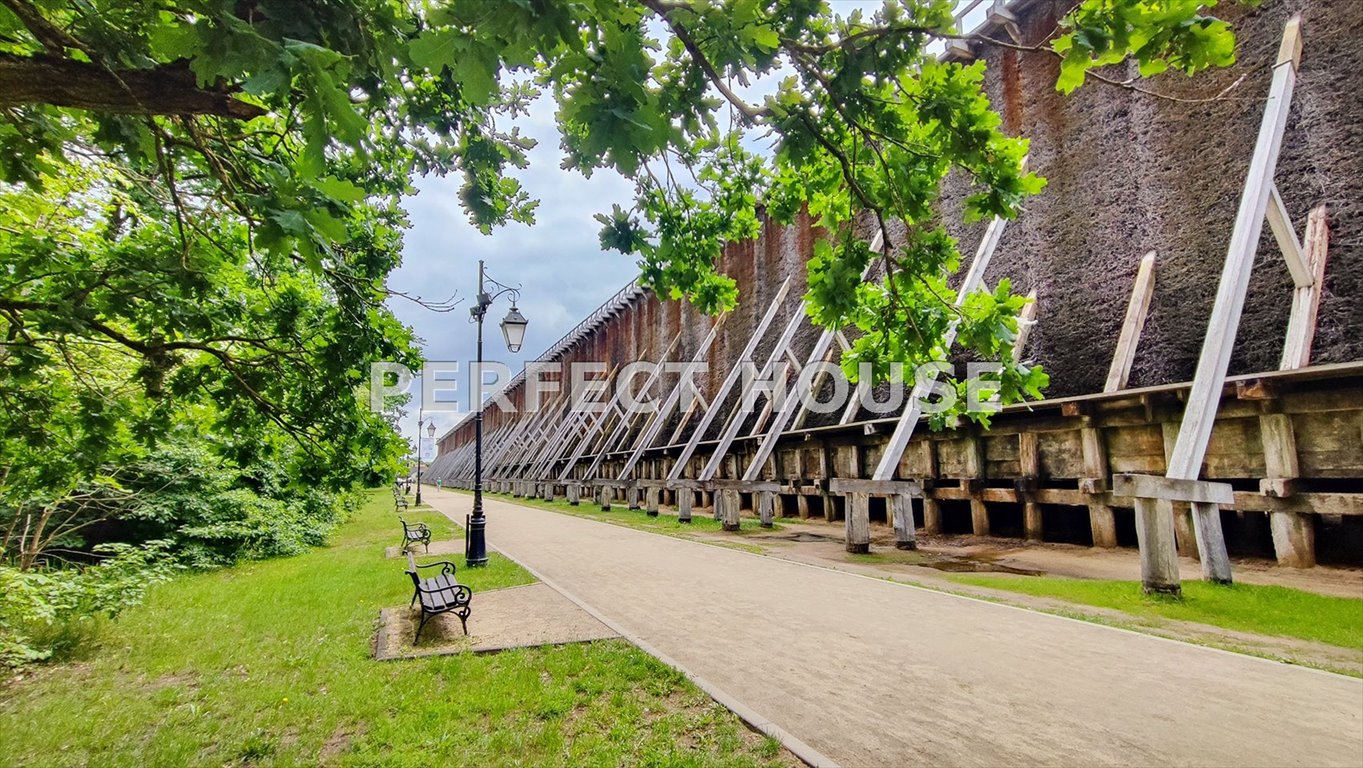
(228,176)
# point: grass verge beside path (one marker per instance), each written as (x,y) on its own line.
(1266,610)
(268,664)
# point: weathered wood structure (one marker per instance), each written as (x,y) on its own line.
(1272,464)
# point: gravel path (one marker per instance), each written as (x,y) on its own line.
(870,673)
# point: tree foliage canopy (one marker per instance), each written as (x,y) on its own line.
(202,198)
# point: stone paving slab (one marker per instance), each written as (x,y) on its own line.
(868,672)
(515,617)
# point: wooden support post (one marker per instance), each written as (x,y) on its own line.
(1184,535)
(1211,542)
(1026,319)
(766,508)
(901,505)
(549,491)
(979,512)
(1204,397)
(1294,540)
(802,506)
(651,500)
(932,515)
(1155,536)
(1029,467)
(858,520)
(732,378)
(727,508)
(632,497)
(604,496)
(1137,309)
(1301,323)
(574,493)
(1102,523)
(685,499)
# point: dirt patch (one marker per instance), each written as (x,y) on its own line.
(340,741)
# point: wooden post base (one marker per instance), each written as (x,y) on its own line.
(1294,539)
(1159,557)
(858,523)
(574,493)
(727,504)
(766,508)
(685,499)
(901,506)
(1103,526)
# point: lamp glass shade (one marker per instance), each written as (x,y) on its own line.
(430,429)
(513,329)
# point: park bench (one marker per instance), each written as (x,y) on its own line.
(399,501)
(438,594)
(415,533)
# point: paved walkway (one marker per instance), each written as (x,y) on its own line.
(871,673)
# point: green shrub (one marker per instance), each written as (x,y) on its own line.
(51,612)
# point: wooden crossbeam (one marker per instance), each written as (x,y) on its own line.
(1301,323)
(1172,489)
(1137,309)
(1281,224)
(594,425)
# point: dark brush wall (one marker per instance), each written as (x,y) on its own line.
(1128,173)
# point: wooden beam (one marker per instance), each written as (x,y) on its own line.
(738,415)
(717,402)
(1026,319)
(1172,489)
(1204,398)
(1281,224)
(913,409)
(1137,309)
(1301,323)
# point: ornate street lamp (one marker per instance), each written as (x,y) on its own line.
(430,432)
(513,331)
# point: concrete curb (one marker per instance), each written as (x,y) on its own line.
(805,753)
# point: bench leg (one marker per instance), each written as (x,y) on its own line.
(464,621)
(424,618)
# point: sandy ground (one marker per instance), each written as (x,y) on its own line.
(871,672)
(515,617)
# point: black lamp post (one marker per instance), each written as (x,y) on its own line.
(430,432)
(513,331)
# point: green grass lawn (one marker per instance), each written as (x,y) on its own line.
(269,664)
(1268,610)
(665,522)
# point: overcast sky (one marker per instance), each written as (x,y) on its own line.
(557,263)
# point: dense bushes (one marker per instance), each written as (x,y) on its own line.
(215,515)
(50,611)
